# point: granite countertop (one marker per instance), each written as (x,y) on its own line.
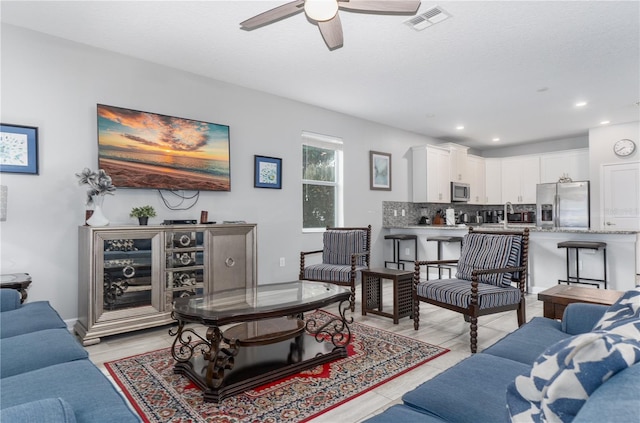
(532,228)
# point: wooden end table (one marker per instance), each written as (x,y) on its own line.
(556,299)
(18,281)
(402,292)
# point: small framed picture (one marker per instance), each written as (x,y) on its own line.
(380,171)
(18,149)
(267,172)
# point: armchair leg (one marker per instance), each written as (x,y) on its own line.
(416,315)
(353,297)
(522,318)
(474,334)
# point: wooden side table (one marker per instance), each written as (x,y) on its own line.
(402,292)
(557,298)
(17,281)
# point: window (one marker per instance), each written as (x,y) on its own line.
(321,182)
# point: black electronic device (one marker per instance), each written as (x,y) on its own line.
(179,222)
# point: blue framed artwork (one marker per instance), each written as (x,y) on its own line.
(18,149)
(267,172)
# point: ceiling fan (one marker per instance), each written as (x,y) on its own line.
(325,14)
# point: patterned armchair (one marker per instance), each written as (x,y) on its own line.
(491,278)
(345,252)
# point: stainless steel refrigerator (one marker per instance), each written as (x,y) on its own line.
(563,205)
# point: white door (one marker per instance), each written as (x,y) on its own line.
(621,196)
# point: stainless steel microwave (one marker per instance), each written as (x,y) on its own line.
(460,192)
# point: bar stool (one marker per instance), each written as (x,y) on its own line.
(440,240)
(577,245)
(397,238)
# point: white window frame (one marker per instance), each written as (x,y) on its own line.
(329,143)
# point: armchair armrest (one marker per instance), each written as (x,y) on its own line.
(354,259)
(581,317)
(502,270)
(9,299)
(304,253)
(520,281)
(432,262)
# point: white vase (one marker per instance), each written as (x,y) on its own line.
(98,218)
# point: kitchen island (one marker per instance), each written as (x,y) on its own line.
(547,262)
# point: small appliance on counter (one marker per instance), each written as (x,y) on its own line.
(424,220)
(463,218)
(514,217)
(477,219)
(528,217)
(489,216)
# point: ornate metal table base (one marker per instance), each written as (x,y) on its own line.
(222,370)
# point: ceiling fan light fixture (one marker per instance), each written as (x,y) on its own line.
(321,10)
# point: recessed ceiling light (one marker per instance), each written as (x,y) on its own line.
(542,89)
(460,127)
(581,104)
(605,122)
(495,139)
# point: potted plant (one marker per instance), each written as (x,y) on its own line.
(143,213)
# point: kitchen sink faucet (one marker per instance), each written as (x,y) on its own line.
(508,206)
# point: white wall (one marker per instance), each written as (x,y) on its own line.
(54,85)
(601,142)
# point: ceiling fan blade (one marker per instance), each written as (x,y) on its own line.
(331,31)
(273,15)
(382,6)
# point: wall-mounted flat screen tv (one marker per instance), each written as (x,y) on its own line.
(149,150)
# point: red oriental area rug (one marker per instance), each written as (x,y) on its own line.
(375,357)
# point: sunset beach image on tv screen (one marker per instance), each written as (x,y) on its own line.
(149,150)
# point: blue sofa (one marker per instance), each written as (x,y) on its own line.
(585,368)
(45,374)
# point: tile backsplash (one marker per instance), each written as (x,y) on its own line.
(392,211)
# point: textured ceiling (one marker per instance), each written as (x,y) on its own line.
(507,69)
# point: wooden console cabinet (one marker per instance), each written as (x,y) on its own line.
(129,276)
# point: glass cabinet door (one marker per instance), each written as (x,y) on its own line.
(127,265)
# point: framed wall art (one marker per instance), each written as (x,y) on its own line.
(379,171)
(18,149)
(267,172)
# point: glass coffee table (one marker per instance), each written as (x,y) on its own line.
(271,340)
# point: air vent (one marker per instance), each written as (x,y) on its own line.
(430,17)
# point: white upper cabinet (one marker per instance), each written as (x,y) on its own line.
(476,172)
(571,163)
(460,171)
(493,181)
(431,173)
(520,175)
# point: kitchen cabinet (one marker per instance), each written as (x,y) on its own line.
(572,163)
(460,170)
(130,275)
(520,175)
(476,171)
(493,180)
(431,174)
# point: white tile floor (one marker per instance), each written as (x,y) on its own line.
(437,326)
